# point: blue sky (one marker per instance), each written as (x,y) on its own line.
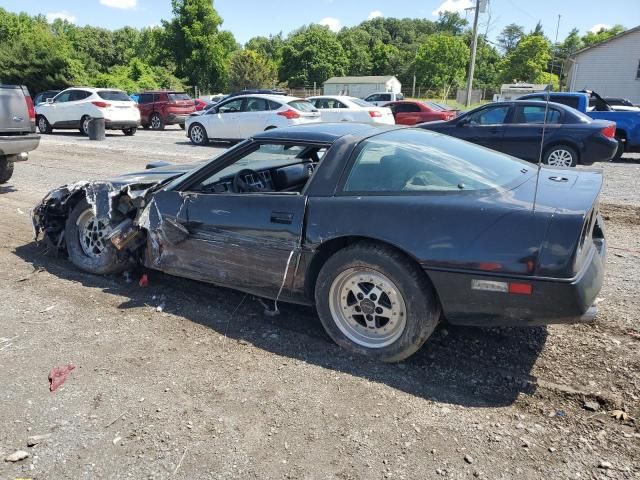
(247,18)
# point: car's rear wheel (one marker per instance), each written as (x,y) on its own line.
(620,149)
(6,169)
(87,243)
(43,124)
(561,156)
(198,134)
(155,121)
(374,301)
(130,131)
(181,125)
(84,125)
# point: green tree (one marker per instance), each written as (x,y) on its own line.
(450,22)
(312,54)
(601,35)
(561,53)
(201,52)
(385,59)
(487,65)
(528,61)
(355,43)
(440,62)
(251,69)
(269,47)
(509,37)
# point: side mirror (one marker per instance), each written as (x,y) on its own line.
(49,100)
(463,122)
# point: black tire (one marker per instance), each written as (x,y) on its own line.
(84,125)
(620,150)
(181,125)
(146,127)
(44,123)
(421,304)
(558,149)
(6,169)
(110,261)
(198,139)
(129,132)
(156,122)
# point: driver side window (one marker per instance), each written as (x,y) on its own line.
(231,106)
(63,97)
(489,116)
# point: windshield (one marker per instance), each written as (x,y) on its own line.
(114,95)
(174,97)
(413,160)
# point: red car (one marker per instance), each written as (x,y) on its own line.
(411,112)
(164,107)
(200,104)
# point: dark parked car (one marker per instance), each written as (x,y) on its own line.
(43,96)
(515,128)
(382,228)
(161,108)
(411,112)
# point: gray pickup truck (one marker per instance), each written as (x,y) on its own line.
(17,128)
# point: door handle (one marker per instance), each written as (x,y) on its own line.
(284,218)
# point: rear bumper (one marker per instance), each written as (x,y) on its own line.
(16,144)
(120,124)
(552,300)
(599,149)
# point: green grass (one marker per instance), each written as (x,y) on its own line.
(453,104)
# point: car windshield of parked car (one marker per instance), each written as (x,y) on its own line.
(174,97)
(114,95)
(414,160)
(302,106)
(435,106)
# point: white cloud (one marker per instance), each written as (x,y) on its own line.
(452,6)
(333,23)
(63,15)
(374,14)
(599,26)
(122,4)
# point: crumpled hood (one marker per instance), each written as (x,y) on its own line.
(153,175)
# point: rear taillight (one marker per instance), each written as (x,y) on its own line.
(101,104)
(374,113)
(289,114)
(31,110)
(609,131)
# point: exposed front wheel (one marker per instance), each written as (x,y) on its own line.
(561,156)
(198,135)
(374,301)
(87,243)
(130,131)
(43,125)
(156,123)
(619,150)
(84,125)
(6,169)
(181,125)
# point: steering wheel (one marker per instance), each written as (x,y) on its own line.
(239,185)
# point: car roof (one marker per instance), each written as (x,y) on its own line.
(345,97)
(566,94)
(324,132)
(275,98)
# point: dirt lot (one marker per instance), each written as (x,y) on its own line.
(185,380)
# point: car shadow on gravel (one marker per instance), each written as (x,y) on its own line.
(472,367)
(7,189)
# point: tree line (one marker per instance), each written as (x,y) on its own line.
(191,50)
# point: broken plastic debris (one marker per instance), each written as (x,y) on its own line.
(144,280)
(58,375)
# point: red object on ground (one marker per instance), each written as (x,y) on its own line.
(58,375)
(144,281)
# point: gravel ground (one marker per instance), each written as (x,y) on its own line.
(207,387)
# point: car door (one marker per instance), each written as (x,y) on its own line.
(332,110)
(145,105)
(76,107)
(246,241)
(523,134)
(223,121)
(407,114)
(484,126)
(55,111)
(255,115)
(373,99)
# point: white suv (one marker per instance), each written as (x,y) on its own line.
(242,116)
(74,107)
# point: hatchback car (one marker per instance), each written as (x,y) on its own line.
(161,108)
(240,117)
(340,108)
(75,107)
(383,229)
(516,128)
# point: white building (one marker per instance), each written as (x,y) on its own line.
(511,91)
(361,86)
(610,68)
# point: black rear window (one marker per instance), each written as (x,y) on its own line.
(175,97)
(114,95)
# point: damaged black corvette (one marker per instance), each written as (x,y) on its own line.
(385,230)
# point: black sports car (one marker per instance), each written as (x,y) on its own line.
(384,229)
(515,128)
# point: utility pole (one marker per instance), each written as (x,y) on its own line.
(474,46)
(413,88)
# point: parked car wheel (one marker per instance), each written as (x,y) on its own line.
(198,134)
(620,149)
(156,123)
(6,169)
(129,132)
(561,156)
(373,300)
(84,125)
(181,125)
(87,243)
(43,125)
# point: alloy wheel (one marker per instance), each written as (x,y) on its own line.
(197,135)
(367,307)
(85,125)
(42,125)
(92,234)
(560,158)
(155,122)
